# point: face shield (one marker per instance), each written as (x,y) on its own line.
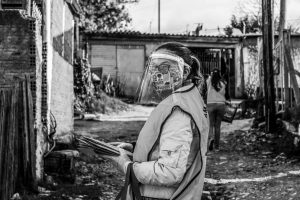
(163,75)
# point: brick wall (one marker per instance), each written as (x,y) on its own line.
(62,94)
(20,55)
(16,38)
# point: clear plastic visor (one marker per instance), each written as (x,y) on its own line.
(162,76)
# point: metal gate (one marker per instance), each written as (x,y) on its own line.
(209,59)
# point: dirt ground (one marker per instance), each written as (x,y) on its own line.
(234,172)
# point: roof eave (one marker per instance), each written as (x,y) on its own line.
(96,35)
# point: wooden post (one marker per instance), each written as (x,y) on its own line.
(260,94)
(290,65)
(268,65)
(265,71)
(260,67)
(242,70)
(286,73)
(282,18)
(158,16)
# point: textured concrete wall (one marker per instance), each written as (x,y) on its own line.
(296,59)
(252,65)
(62,94)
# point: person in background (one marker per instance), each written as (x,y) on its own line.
(216,99)
(169,157)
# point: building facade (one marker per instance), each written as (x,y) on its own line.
(38,39)
(122,55)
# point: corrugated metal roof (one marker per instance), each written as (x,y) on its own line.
(140,34)
(260,34)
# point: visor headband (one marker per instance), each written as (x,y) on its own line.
(171,57)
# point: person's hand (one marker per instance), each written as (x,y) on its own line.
(228,102)
(65,139)
(123,145)
(120,162)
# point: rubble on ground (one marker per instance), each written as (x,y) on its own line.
(100,103)
(256,140)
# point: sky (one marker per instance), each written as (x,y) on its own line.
(178,16)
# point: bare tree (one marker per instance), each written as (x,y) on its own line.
(247,15)
(249,8)
(253,8)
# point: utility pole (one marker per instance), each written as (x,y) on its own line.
(158,16)
(282,21)
(267,19)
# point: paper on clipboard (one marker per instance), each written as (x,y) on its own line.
(99,147)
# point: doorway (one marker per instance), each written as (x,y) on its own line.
(222,59)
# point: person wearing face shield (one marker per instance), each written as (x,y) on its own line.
(169,156)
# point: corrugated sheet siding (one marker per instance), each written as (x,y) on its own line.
(104,56)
